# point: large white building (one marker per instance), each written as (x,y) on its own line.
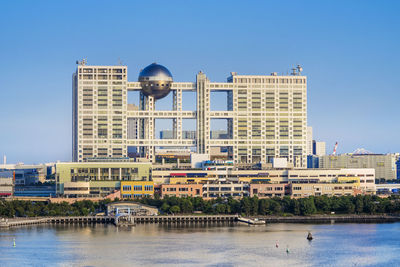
(384,164)
(266,115)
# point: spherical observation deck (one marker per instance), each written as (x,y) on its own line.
(155,81)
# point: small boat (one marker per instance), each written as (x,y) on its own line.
(276,244)
(309,236)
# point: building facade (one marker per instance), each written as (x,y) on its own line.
(384,164)
(182,190)
(266,114)
(86,179)
(137,189)
(6,183)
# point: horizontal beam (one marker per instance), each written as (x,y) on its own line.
(161,114)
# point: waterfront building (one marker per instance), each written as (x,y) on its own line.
(85,179)
(384,164)
(225,189)
(131,208)
(301,190)
(182,190)
(266,115)
(364,179)
(137,189)
(35,190)
(268,190)
(31,173)
(6,183)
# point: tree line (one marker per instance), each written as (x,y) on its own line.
(279,206)
(245,206)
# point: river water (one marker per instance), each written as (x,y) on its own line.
(202,245)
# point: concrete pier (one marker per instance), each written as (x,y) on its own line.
(6,223)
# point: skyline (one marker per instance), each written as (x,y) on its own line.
(39,59)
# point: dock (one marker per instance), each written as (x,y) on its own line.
(15,222)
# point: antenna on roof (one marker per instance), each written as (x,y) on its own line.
(82,62)
(120,62)
(299,69)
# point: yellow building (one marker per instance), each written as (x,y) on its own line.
(137,189)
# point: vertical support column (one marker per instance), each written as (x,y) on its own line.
(177,106)
(179,118)
(203,108)
(150,106)
(174,107)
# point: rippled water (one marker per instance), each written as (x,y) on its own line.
(212,244)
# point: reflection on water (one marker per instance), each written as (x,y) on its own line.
(202,244)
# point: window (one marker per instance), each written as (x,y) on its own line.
(148,188)
(126,188)
(137,188)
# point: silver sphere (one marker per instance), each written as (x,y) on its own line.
(155,81)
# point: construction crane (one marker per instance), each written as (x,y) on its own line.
(334,149)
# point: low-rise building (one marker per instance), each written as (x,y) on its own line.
(384,164)
(30,174)
(182,190)
(225,189)
(97,179)
(137,189)
(268,190)
(6,183)
(301,190)
(130,208)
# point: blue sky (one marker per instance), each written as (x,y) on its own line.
(349,51)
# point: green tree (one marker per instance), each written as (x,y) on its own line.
(245,205)
(307,206)
(165,207)
(175,209)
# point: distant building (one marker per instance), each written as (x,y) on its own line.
(312,162)
(309,140)
(398,168)
(384,164)
(319,148)
(30,174)
(133,127)
(6,183)
(94,179)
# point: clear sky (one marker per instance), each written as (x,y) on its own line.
(349,50)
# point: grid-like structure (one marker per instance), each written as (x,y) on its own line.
(266,116)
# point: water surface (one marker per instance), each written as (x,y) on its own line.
(202,245)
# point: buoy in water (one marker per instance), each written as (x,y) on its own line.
(14,243)
(309,236)
(287,249)
(276,245)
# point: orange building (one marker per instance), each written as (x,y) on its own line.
(182,190)
(266,190)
